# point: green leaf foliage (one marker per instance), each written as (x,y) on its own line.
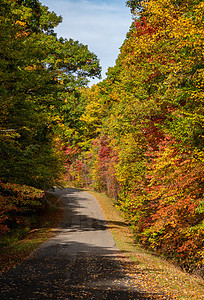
(40,81)
(39,78)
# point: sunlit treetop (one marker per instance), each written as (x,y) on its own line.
(134,5)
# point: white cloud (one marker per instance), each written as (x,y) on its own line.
(102,25)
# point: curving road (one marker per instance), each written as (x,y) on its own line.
(80,262)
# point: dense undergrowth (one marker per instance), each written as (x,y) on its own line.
(18,206)
(25,226)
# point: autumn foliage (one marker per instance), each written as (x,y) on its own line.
(40,78)
(16,203)
(136,136)
(143,129)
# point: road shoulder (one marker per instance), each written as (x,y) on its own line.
(155,273)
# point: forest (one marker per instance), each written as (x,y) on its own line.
(136,136)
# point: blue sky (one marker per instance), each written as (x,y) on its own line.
(101,24)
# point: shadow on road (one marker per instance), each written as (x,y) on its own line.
(80,262)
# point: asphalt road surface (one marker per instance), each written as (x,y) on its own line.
(80,262)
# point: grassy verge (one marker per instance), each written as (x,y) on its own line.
(18,244)
(161,273)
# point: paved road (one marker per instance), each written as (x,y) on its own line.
(80,262)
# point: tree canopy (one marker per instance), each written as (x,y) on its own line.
(40,75)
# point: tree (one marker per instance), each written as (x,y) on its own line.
(39,74)
(150,135)
(134,5)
